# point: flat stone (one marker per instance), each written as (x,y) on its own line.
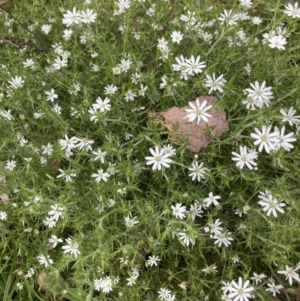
(180,129)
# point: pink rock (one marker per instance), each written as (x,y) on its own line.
(180,129)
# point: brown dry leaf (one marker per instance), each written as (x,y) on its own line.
(180,129)
(3,2)
(2,181)
(4,198)
(54,165)
(183,285)
(43,281)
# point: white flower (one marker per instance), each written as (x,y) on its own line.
(3,216)
(75,88)
(152,261)
(169,150)
(211,200)
(71,17)
(181,64)
(99,155)
(10,165)
(222,238)
(228,17)
(54,240)
(273,288)
(195,210)
(244,157)
(264,138)
(210,269)
(240,291)
(37,115)
(51,95)
(29,63)
(46,28)
(248,69)
(101,175)
(215,84)
(189,18)
(277,41)
(135,272)
(67,34)
(291,11)
(236,259)
(95,68)
(225,287)
(164,294)
(142,90)
(179,211)
(122,5)
(68,144)
(57,108)
(258,278)
(194,66)
(67,175)
(84,143)
(162,44)
(136,78)
(164,83)
(131,280)
(50,222)
(186,239)
(260,94)
(71,247)
(176,37)
(29,273)
(197,171)
(256,20)
(198,111)
(111,169)
(104,284)
(124,65)
(290,274)
(45,260)
(6,114)
(47,149)
(56,212)
(282,140)
(289,116)
(19,286)
(271,205)
(160,158)
(130,222)
(102,105)
(94,114)
(16,82)
(246,3)
(59,63)
(130,95)
(110,90)
(87,16)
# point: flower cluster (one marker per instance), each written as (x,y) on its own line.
(105,284)
(188,67)
(53,216)
(78,17)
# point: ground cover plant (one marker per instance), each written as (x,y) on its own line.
(98,201)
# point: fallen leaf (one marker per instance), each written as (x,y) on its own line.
(54,165)
(3,2)
(4,198)
(183,285)
(180,128)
